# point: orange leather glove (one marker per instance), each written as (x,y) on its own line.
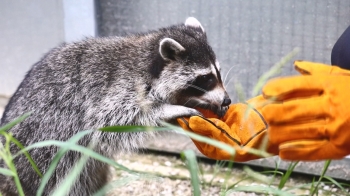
(311,117)
(237,128)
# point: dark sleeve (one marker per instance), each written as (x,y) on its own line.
(341,51)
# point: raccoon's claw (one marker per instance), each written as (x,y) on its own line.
(191,112)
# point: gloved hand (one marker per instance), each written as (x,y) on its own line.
(241,127)
(311,117)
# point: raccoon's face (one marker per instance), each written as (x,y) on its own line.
(191,74)
(206,90)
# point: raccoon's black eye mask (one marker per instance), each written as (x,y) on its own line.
(206,82)
(201,85)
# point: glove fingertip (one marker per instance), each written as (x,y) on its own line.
(307,150)
(303,67)
(183,122)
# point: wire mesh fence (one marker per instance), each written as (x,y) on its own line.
(248,36)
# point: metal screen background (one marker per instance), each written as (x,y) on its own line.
(248,36)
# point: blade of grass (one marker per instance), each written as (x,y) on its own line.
(227,176)
(336,184)
(256,175)
(240,92)
(286,176)
(8,160)
(14,123)
(78,148)
(218,165)
(229,149)
(73,140)
(232,186)
(69,180)
(30,159)
(57,158)
(132,128)
(200,138)
(275,69)
(6,172)
(201,171)
(5,128)
(324,170)
(192,165)
(276,171)
(301,186)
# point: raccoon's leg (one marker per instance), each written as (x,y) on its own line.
(29,179)
(7,187)
(93,177)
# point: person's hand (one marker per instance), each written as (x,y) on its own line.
(311,116)
(241,127)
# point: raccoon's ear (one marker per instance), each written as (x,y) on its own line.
(169,49)
(193,22)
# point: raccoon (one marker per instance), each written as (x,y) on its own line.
(138,79)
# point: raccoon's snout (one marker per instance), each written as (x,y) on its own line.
(221,111)
(226,102)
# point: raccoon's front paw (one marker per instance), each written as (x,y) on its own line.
(191,112)
(172,112)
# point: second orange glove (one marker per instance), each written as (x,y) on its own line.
(310,119)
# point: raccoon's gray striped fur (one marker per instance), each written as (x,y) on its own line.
(140,79)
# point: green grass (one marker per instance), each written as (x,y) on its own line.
(188,156)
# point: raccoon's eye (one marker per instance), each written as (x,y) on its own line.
(205,78)
(206,82)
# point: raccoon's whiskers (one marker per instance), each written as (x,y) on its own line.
(187,101)
(227,75)
(229,81)
(198,88)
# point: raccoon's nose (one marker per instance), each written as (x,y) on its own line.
(226,102)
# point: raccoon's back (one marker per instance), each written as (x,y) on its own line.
(67,84)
